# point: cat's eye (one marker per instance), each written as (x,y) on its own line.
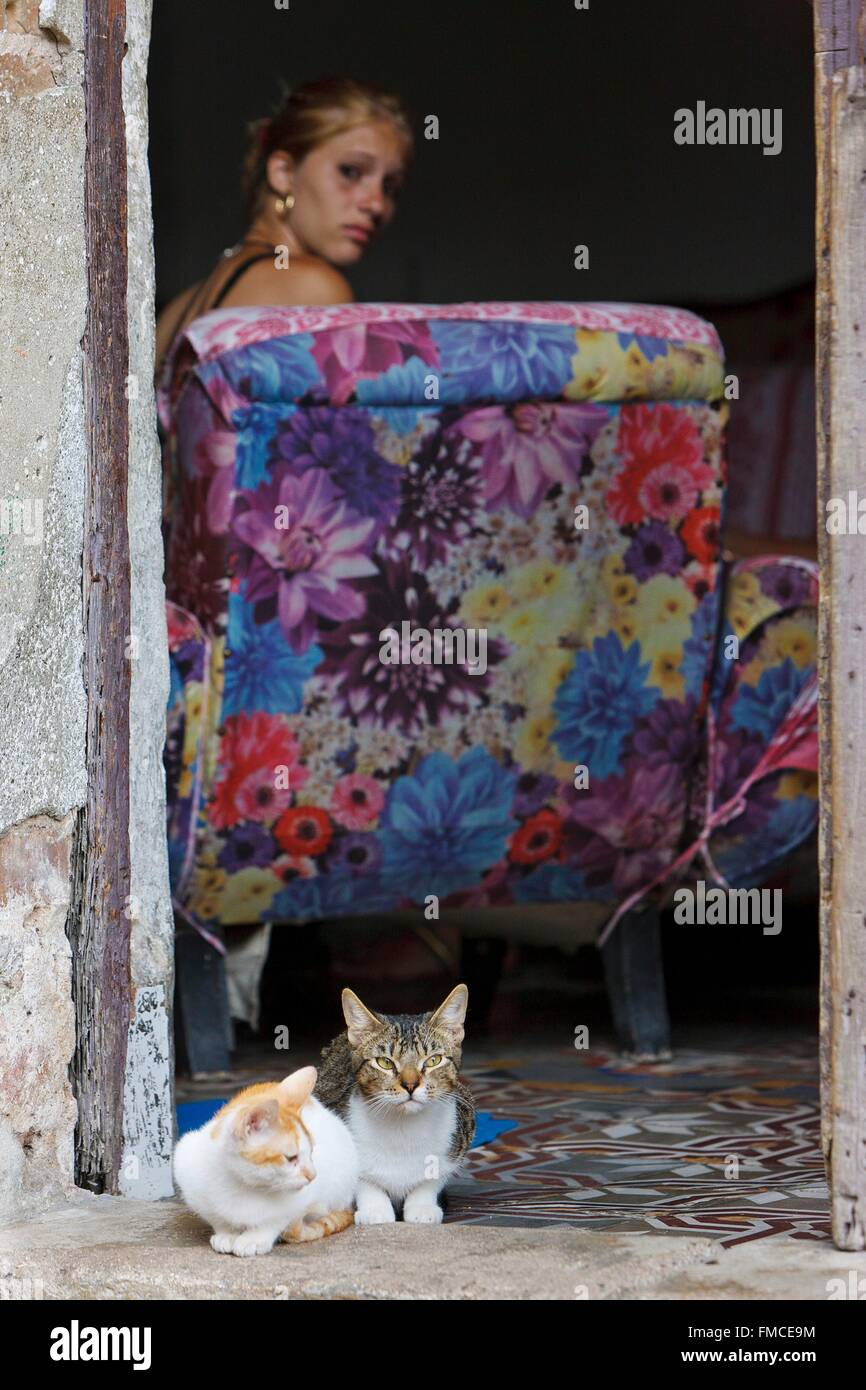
(385,1063)
(433,1061)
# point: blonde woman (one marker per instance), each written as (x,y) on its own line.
(321,179)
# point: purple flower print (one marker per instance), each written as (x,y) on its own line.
(654,549)
(669,735)
(638,815)
(358,853)
(398,695)
(249,845)
(532,791)
(788,585)
(342,442)
(527,448)
(738,753)
(303,565)
(441,500)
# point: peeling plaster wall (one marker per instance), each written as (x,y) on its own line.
(43,463)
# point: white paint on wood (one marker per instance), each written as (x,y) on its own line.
(148,1114)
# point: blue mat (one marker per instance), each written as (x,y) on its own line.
(192,1114)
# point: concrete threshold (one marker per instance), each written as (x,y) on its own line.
(115,1248)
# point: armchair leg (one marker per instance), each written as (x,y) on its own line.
(634,974)
(481,961)
(203,1023)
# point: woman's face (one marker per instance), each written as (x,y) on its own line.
(346,191)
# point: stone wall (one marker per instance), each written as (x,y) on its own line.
(43,464)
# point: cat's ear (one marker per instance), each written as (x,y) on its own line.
(452,1013)
(358,1017)
(298,1087)
(257,1119)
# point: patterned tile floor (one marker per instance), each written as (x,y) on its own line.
(605,1144)
(712,1143)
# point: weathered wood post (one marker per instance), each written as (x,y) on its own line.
(840,118)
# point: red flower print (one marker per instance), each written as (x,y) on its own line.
(260,765)
(537,839)
(650,437)
(700,531)
(304,830)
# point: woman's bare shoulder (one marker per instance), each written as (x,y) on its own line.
(305,280)
(170,316)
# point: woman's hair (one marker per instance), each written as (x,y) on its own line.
(310,114)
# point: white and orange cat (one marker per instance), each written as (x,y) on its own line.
(272,1163)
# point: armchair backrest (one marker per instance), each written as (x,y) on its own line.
(453,572)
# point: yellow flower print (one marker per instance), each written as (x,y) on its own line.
(248,894)
(533,625)
(206,895)
(545,675)
(742,618)
(597,366)
(603,370)
(209,880)
(665,672)
(790,638)
(636,374)
(207,908)
(663,611)
(623,589)
(667,599)
(624,625)
(541,580)
(485,604)
(194,701)
(192,734)
(745,586)
(532,745)
(753,671)
(612,567)
(798,782)
(185,781)
(695,371)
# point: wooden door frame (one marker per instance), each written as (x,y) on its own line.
(101,927)
(840,128)
(99,922)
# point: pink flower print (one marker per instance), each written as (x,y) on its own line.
(668,493)
(309,562)
(529,447)
(362,351)
(357,801)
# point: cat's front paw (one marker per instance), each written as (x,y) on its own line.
(422,1213)
(223,1242)
(374,1211)
(252,1243)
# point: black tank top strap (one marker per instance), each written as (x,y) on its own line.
(238,272)
(197,304)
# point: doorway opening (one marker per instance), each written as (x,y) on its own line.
(722,1137)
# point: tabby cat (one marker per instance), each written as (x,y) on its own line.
(394,1079)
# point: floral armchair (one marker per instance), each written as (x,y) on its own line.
(542,482)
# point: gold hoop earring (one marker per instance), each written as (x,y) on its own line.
(284,205)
